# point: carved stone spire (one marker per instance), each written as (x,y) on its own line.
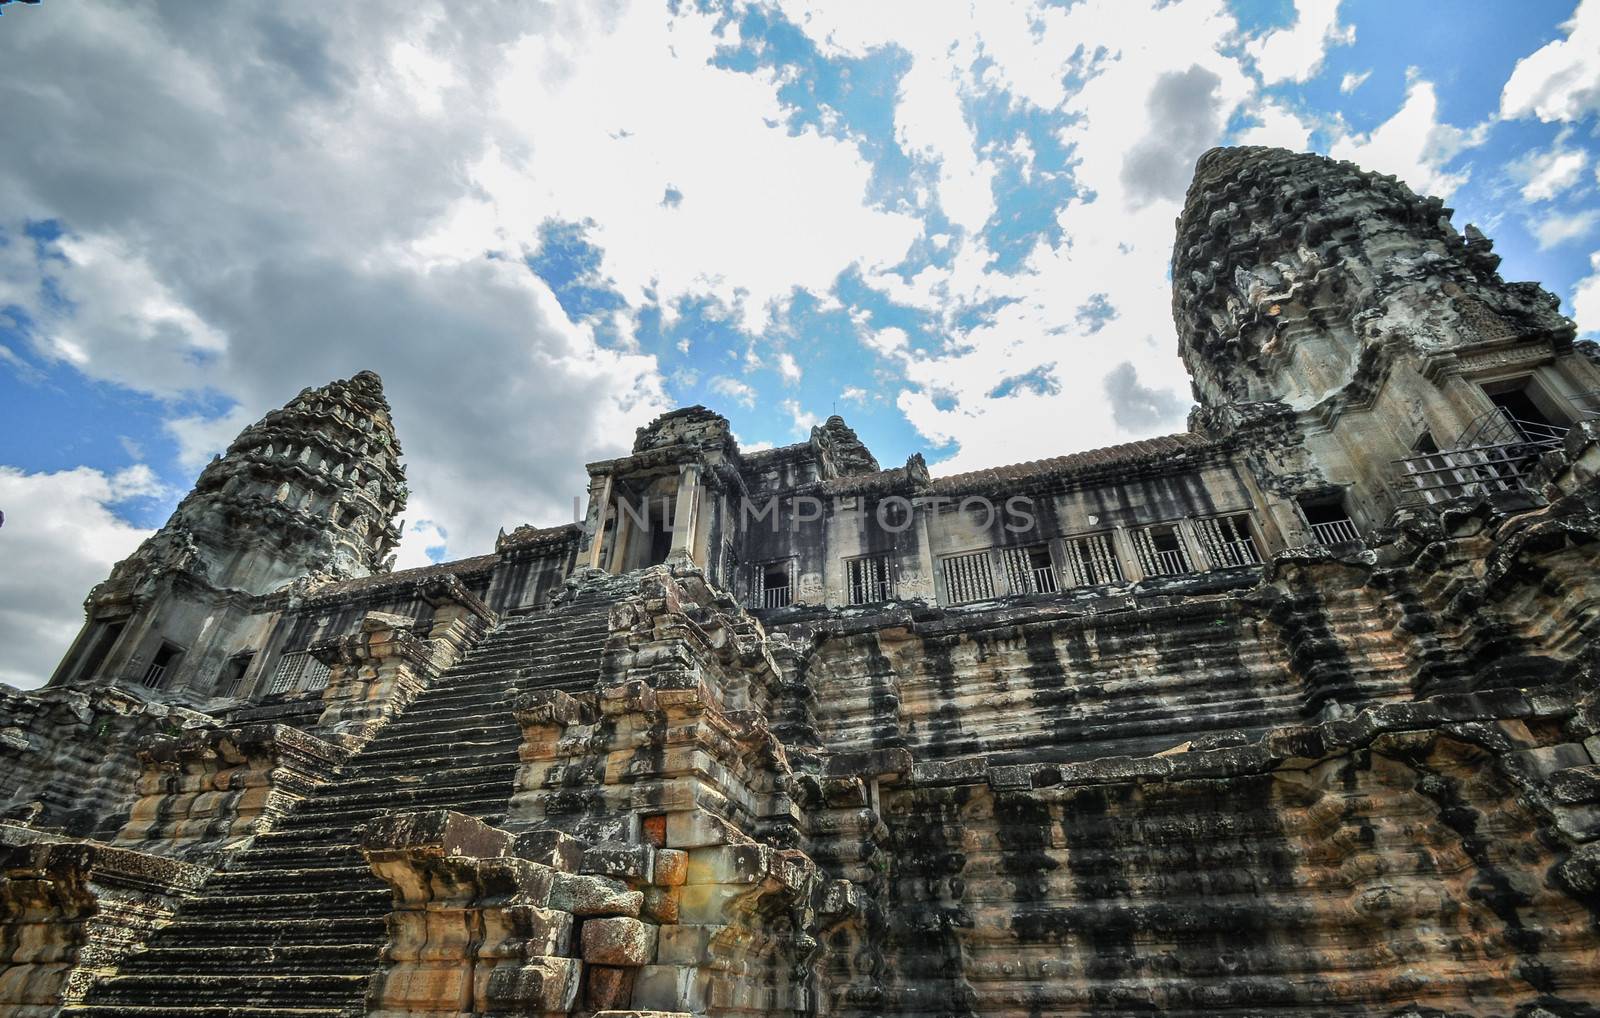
(1292,270)
(312,488)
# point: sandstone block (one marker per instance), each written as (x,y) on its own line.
(730,864)
(624,862)
(539,985)
(671,867)
(672,988)
(555,849)
(608,988)
(618,941)
(684,945)
(661,905)
(699,828)
(594,896)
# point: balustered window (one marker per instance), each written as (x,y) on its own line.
(968,578)
(1161,550)
(1091,560)
(1331,525)
(869,579)
(1030,570)
(777,584)
(1228,540)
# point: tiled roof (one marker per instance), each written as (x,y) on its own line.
(377,580)
(1079,462)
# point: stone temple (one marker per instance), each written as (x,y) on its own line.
(1294,713)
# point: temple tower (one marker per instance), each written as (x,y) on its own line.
(1312,296)
(671,498)
(310,489)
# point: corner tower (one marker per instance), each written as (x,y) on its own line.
(1339,303)
(310,489)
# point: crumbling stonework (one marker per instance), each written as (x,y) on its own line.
(1295,713)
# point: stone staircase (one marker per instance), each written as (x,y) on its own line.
(294,924)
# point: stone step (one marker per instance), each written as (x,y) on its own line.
(253,989)
(207,1011)
(268,879)
(378,783)
(197,937)
(335,807)
(243,959)
(294,925)
(347,903)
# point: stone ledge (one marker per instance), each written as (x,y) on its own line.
(1294,747)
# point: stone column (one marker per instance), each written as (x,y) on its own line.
(598,533)
(684,513)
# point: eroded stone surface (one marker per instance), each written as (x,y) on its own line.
(1252,722)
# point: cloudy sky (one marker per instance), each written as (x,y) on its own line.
(543,224)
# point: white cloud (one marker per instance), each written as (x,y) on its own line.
(1278,126)
(1559,227)
(1296,53)
(1546,173)
(266,197)
(1352,81)
(788,368)
(420,538)
(803,420)
(1560,81)
(735,390)
(1586,298)
(1413,144)
(61,537)
(1158,87)
(853,394)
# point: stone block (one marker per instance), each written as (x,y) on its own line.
(594,896)
(535,986)
(698,828)
(1544,761)
(671,867)
(618,941)
(607,988)
(438,832)
(730,864)
(1576,784)
(672,988)
(622,861)
(556,849)
(661,904)
(684,944)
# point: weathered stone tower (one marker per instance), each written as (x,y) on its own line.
(1296,713)
(310,490)
(1338,304)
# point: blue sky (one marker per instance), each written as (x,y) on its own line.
(949,222)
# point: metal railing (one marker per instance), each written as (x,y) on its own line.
(1587,403)
(1169,563)
(1044,579)
(153,676)
(870,591)
(1494,454)
(1335,532)
(777,597)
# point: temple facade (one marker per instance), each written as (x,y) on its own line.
(1292,713)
